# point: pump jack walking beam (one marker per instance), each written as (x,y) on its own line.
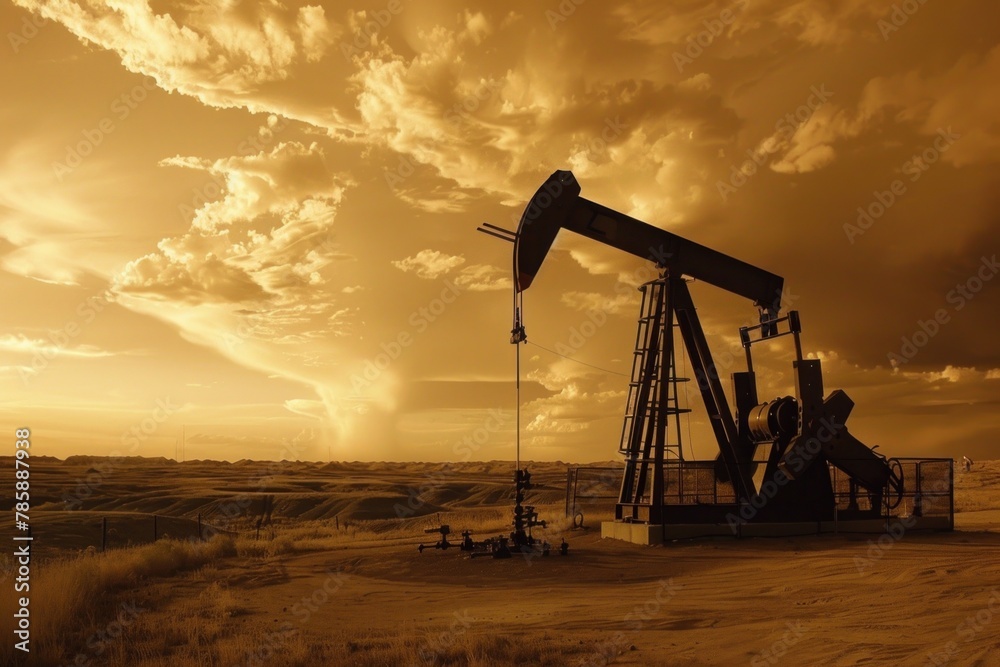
(558,205)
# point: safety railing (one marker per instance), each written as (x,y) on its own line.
(926,489)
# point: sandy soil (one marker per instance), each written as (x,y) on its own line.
(915,599)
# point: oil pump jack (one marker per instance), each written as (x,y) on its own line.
(806,434)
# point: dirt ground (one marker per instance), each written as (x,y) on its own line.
(808,601)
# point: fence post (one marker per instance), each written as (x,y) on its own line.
(951,493)
(569,486)
(200,536)
(154,527)
(104,533)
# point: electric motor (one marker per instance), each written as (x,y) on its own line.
(769,421)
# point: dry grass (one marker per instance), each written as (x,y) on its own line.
(72,598)
(976,490)
(467,649)
(79,598)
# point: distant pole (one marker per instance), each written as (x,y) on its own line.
(200,537)
(154,527)
(104,533)
(337,519)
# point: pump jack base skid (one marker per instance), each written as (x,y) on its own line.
(650,534)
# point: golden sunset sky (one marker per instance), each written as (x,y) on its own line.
(223,216)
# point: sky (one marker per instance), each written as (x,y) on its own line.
(253,224)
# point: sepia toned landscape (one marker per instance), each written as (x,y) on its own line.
(395,333)
(306,592)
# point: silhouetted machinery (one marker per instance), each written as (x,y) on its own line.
(805,434)
(520,539)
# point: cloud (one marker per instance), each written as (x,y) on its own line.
(949,101)
(429,264)
(20,371)
(477,27)
(435,199)
(306,407)
(812,22)
(213,52)
(580,399)
(225,257)
(315,32)
(41,261)
(483,278)
(950,374)
(49,230)
(49,349)
(821,23)
(501,134)
(596,301)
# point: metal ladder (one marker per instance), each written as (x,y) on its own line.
(651,404)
